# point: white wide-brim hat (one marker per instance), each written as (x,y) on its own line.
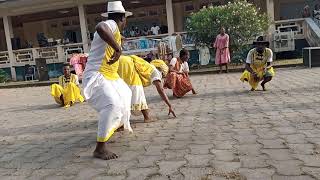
(116,7)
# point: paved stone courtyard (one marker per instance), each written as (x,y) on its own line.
(225,132)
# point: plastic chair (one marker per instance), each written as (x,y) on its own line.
(30,73)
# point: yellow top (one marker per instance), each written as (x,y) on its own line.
(63,81)
(127,71)
(135,70)
(259,62)
(160,64)
(110,71)
(144,69)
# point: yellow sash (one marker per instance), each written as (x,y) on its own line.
(110,71)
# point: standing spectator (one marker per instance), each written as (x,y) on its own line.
(163,29)
(306,12)
(137,32)
(132,32)
(155,29)
(222,49)
(145,31)
(316,14)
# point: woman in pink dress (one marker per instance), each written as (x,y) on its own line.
(222,49)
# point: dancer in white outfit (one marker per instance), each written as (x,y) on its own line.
(105,91)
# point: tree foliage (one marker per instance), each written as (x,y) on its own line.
(3,76)
(242,20)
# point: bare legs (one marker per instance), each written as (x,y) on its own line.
(263,83)
(193,91)
(146,116)
(265,80)
(226,65)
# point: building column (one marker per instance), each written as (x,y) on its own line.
(83,27)
(9,34)
(270,12)
(170,20)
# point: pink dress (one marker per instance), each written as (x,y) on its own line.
(222,55)
(78,61)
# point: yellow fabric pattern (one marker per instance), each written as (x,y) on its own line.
(160,64)
(139,107)
(258,65)
(105,139)
(128,72)
(144,69)
(56,92)
(246,76)
(70,93)
(63,81)
(109,71)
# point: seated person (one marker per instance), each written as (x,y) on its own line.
(138,73)
(42,40)
(178,77)
(29,72)
(67,92)
(258,65)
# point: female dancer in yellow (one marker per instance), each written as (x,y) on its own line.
(138,73)
(67,92)
(258,65)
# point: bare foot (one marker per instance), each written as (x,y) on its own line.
(175,96)
(147,117)
(150,119)
(120,129)
(106,155)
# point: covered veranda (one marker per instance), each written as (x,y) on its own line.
(68,25)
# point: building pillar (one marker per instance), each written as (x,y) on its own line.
(10,27)
(270,12)
(9,34)
(170,20)
(83,27)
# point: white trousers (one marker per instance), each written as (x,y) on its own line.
(112,100)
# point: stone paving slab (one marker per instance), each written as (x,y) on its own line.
(224,132)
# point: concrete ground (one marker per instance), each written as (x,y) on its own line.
(224,132)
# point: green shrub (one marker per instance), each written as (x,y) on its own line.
(3,76)
(241,19)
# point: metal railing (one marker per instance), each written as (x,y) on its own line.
(312,33)
(55,54)
(287,31)
(4,59)
(145,44)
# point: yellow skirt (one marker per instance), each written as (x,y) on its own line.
(246,76)
(71,94)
